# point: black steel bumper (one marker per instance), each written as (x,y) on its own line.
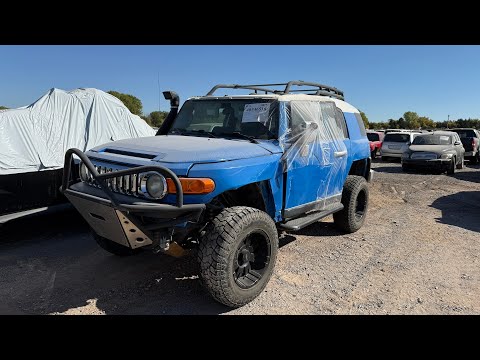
(118,217)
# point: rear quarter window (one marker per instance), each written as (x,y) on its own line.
(363,132)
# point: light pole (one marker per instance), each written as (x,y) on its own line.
(448,122)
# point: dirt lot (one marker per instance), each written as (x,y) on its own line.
(418,253)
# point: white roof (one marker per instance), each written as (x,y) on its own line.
(342,105)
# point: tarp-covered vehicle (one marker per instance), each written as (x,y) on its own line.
(223,175)
(34,139)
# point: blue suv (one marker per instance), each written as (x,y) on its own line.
(224,175)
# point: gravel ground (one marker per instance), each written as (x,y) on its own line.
(418,253)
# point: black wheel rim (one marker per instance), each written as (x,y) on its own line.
(251,259)
(360,205)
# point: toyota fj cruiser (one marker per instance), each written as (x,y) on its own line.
(224,175)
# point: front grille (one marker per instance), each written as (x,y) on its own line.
(423,155)
(127,184)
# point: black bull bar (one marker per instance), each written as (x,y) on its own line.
(112,215)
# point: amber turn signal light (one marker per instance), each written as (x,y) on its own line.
(192,186)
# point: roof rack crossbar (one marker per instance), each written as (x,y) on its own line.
(318,89)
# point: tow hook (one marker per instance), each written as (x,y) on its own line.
(161,241)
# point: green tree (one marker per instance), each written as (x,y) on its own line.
(365,119)
(426,122)
(411,120)
(133,103)
(3,108)
(157,118)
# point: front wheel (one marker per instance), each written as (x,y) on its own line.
(355,202)
(451,167)
(237,255)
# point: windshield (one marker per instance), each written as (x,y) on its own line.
(400,138)
(255,118)
(373,137)
(465,133)
(432,140)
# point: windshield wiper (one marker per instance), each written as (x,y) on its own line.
(204,132)
(178,130)
(240,135)
(191,132)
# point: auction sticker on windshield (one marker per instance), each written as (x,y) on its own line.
(256,113)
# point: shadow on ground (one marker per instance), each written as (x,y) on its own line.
(389,169)
(52,264)
(472,176)
(465,216)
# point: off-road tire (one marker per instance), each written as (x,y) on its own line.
(218,253)
(355,202)
(451,167)
(114,248)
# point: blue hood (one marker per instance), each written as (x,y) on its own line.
(189,149)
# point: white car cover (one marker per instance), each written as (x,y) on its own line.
(36,137)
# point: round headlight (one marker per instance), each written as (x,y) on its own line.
(84,173)
(153,185)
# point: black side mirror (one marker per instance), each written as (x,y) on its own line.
(457,143)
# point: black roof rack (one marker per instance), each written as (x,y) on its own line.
(315,89)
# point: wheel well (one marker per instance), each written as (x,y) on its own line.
(256,195)
(360,167)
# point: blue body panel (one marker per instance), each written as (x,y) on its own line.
(235,163)
(359,145)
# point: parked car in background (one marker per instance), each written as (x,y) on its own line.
(470,140)
(375,138)
(438,150)
(396,143)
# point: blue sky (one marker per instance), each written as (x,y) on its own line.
(383,81)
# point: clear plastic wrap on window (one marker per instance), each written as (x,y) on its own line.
(315,155)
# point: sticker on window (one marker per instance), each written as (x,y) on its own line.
(256,113)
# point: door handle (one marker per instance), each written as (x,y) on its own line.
(340,153)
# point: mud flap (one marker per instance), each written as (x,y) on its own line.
(110,223)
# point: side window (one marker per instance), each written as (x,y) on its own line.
(320,117)
(360,124)
(340,119)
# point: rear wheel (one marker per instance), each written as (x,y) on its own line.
(355,202)
(373,154)
(476,158)
(406,167)
(461,164)
(114,248)
(237,255)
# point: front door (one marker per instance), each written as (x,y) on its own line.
(315,158)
